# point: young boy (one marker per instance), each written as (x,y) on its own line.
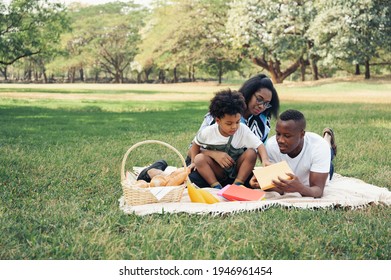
(228,134)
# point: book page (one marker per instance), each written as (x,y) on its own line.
(265,175)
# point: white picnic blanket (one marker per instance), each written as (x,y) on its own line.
(341,192)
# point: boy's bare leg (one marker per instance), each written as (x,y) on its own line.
(208,169)
(245,165)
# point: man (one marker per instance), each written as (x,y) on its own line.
(307,154)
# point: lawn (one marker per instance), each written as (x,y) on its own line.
(61,149)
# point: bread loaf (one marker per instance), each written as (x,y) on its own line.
(141,184)
(178,177)
(159,181)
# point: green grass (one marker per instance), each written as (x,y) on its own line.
(60,185)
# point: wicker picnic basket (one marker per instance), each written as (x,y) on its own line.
(134,195)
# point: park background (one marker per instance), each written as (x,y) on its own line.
(191,40)
(68,116)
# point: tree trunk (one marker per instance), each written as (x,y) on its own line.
(193,73)
(175,75)
(81,72)
(3,70)
(273,67)
(147,73)
(162,77)
(28,75)
(45,77)
(357,70)
(220,72)
(367,70)
(71,75)
(314,67)
(138,78)
(302,69)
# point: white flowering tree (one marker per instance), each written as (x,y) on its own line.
(353,31)
(272,33)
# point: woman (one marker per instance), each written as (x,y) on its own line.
(262,104)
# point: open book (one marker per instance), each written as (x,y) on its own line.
(265,175)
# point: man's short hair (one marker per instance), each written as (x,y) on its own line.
(293,115)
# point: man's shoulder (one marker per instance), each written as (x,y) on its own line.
(315,142)
(314,138)
(271,143)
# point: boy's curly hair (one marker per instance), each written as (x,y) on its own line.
(230,102)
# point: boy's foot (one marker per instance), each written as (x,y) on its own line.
(330,132)
(160,164)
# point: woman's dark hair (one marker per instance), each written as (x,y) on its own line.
(256,83)
(227,102)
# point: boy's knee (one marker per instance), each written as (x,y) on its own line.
(250,155)
(199,159)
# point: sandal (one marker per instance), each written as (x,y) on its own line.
(160,164)
(330,132)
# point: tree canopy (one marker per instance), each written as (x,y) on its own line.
(29,27)
(179,37)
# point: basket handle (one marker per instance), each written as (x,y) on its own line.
(123,176)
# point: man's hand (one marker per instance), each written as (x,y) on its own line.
(255,185)
(254,182)
(289,185)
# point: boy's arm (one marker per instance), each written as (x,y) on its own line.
(263,155)
(194,150)
(222,158)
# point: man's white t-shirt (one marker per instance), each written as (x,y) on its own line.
(243,137)
(315,156)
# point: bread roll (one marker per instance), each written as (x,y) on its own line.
(141,184)
(158,181)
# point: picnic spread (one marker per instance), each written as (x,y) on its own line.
(341,191)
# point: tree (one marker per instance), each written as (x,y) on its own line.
(353,31)
(29,27)
(103,38)
(190,33)
(163,41)
(272,33)
(117,36)
(217,54)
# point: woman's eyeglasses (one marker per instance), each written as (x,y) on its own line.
(261,102)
